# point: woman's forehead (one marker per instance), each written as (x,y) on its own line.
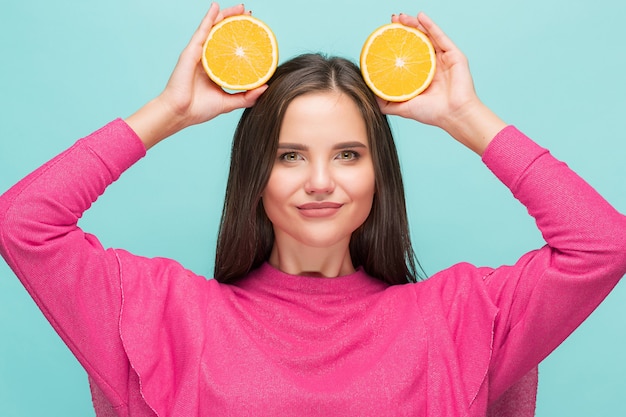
(314,117)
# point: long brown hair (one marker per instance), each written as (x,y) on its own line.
(382,245)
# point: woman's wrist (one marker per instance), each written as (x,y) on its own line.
(154,122)
(474,126)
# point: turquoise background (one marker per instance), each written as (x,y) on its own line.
(553,68)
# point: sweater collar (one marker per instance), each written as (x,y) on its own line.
(270,279)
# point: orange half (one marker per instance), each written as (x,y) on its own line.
(240,53)
(398,62)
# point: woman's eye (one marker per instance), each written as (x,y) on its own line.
(290,156)
(348,155)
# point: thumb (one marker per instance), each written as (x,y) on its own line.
(394,108)
(243,99)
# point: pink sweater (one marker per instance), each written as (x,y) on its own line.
(156,339)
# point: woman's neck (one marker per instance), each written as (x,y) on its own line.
(297,259)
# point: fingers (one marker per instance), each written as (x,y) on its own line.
(192,53)
(243,99)
(390,108)
(206,24)
(230,11)
(440,40)
(213,16)
(408,20)
(384,105)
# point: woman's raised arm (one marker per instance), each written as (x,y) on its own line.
(190,97)
(450,102)
(550,291)
(72,278)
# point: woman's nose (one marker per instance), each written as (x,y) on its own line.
(319,180)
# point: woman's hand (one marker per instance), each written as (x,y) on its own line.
(450,102)
(190,97)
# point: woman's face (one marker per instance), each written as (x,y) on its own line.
(322,183)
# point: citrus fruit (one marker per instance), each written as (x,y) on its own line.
(240,53)
(397,62)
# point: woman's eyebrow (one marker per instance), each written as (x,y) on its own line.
(293,146)
(353,144)
(304,147)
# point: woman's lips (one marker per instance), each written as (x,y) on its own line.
(319,209)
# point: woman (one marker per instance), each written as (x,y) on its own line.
(251,213)
(302,319)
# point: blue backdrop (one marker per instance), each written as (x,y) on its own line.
(553,68)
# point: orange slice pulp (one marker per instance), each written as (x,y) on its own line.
(240,53)
(398,62)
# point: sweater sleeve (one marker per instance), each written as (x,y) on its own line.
(550,291)
(71,277)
